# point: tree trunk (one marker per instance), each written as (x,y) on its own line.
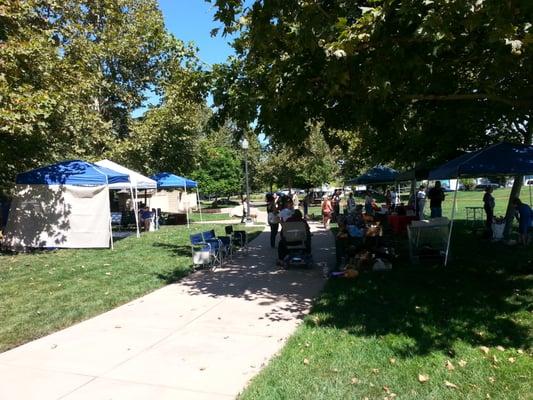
(517,187)
(510,214)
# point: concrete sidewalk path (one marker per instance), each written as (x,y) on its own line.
(201,338)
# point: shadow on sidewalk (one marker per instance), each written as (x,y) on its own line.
(255,277)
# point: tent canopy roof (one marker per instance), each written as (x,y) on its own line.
(167,180)
(72,172)
(499,159)
(378,174)
(137,180)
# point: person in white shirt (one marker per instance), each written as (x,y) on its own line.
(287,210)
(421,201)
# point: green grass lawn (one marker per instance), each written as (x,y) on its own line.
(195,217)
(45,291)
(469,324)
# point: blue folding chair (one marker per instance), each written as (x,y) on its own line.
(202,253)
(222,244)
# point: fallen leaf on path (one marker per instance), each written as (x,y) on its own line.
(484,349)
(449,366)
(462,363)
(423,378)
(450,385)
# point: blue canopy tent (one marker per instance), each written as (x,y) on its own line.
(63,205)
(73,172)
(496,160)
(377,175)
(166,180)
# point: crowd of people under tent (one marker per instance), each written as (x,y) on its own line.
(358,219)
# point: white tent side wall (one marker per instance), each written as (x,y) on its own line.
(62,216)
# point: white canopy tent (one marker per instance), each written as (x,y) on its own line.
(137,182)
(63,205)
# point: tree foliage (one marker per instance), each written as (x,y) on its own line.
(309,165)
(71,73)
(428,76)
(219,171)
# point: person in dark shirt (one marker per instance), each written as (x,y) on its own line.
(488,205)
(525,216)
(436,197)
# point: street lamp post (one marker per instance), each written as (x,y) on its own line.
(245,145)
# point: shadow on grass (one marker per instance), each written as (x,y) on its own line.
(483,298)
(177,250)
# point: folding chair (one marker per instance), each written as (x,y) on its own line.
(237,237)
(218,248)
(202,253)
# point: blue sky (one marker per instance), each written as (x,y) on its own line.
(192,20)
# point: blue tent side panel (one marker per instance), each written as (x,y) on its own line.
(167,180)
(499,159)
(73,172)
(379,174)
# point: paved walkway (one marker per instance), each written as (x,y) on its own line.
(202,338)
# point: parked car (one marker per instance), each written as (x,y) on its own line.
(530,182)
(483,186)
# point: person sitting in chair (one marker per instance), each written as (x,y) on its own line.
(282,246)
(146,218)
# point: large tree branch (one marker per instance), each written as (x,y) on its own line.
(471,96)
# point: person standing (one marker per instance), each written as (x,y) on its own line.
(488,205)
(350,204)
(524,215)
(327,210)
(388,199)
(306,203)
(295,200)
(369,200)
(273,218)
(421,202)
(436,197)
(336,204)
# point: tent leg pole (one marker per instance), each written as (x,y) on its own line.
(109,212)
(136,212)
(186,208)
(200,205)
(451,223)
